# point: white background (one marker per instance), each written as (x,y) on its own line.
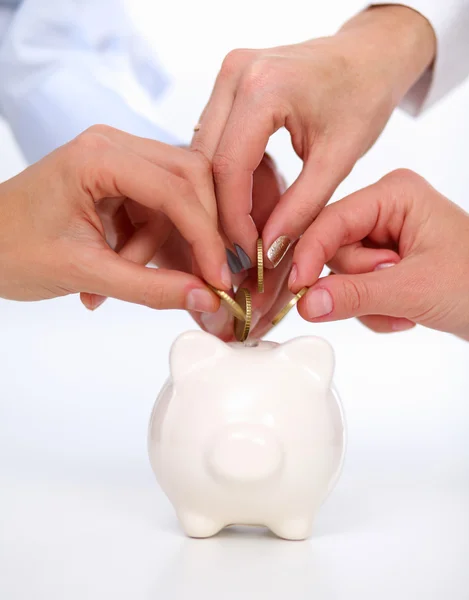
(80,514)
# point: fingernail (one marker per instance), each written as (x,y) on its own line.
(96,301)
(278,250)
(293,276)
(226,276)
(384,266)
(402,325)
(233,262)
(318,303)
(199,300)
(243,257)
(215,323)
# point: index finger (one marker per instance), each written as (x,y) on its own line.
(175,159)
(239,153)
(121,173)
(339,224)
(215,114)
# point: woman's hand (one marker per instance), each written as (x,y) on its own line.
(53,242)
(268,186)
(334,95)
(406,249)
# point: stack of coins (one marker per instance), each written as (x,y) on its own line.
(241,306)
(244,299)
(243,326)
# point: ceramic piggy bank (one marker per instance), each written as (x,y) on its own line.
(247,434)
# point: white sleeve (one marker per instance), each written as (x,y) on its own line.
(67,65)
(450,21)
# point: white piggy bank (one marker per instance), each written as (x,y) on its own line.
(247,434)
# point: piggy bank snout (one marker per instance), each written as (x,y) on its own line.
(244,453)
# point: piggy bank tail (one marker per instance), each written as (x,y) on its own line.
(245,454)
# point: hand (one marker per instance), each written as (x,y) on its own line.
(52,241)
(334,95)
(401,223)
(268,185)
(144,236)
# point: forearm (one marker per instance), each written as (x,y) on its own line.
(394,42)
(450,67)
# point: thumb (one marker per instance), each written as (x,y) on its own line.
(339,297)
(115,277)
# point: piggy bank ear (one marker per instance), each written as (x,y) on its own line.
(192,349)
(314,354)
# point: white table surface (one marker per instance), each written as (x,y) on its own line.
(95,539)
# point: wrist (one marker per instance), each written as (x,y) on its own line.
(396,40)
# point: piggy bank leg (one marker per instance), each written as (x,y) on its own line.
(198,526)
(293,529)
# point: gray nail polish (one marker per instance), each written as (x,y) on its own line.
(243,257)
(233,262)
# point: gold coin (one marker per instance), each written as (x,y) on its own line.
(242,327)
(260,266)
(287,308)
(234,308)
